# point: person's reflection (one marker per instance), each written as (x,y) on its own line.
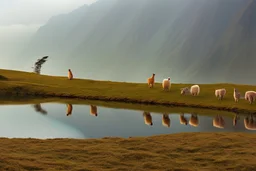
(183,120)
(166,120)
(218,121)
(147,118)
(235,119)
(93,110)
(194,121)
(250,122)
(69,109)
(39,109)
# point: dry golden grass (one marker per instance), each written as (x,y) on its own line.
(26,84)
(188,151)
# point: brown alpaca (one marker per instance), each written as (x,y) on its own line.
(69,109)
(93,110)
(70,74)
(151,81)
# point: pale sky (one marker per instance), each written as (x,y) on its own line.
(33,12)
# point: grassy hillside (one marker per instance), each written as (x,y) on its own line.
(188,151)
(29,84)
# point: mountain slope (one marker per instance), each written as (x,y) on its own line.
(188,40)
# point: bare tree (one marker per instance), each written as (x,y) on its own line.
(38,64)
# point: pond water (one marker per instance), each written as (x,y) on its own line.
(54,120)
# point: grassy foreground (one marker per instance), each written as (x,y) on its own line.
(188,151)
(24,84)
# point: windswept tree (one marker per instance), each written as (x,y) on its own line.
(38,64)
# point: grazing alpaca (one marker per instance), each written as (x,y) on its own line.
(166,84)
(236,95)
(70,74)
(93,110)
(218,122)
(151,81)
(147,118)
(194,120)
(183,120)
(193,90)
(69,109)
(166,120)
(220,93)
(250,96)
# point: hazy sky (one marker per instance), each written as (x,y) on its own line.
(35,11)
(21,18)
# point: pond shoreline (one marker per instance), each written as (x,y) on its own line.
(133,101)
(136,153)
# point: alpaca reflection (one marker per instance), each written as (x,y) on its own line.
(147,118)
(166,120)
(39,109)
(235,119)
(183,120)
(218,121)
(194,120)
(93,110)
(250,122)
(69,109)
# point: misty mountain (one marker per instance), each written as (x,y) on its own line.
(128,40)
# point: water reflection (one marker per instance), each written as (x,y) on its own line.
(218,122)
(194,120)
(183,119)
(93,110)
(39,109)
(69,109)
(166,120)
(114,122)
(250,122)
(235,119)
(147,118)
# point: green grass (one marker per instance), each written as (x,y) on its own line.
(25,84)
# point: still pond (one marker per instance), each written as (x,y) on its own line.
(55,120)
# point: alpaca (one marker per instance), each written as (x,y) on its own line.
(236,95)
(250,96)
(220,93)
(250,122)
(151,81)
(166,84)
(193,90)
(70,74)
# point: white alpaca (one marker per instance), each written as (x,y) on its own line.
(166,84)
(220,93)
(250,96)
(193,90)
(236,95)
